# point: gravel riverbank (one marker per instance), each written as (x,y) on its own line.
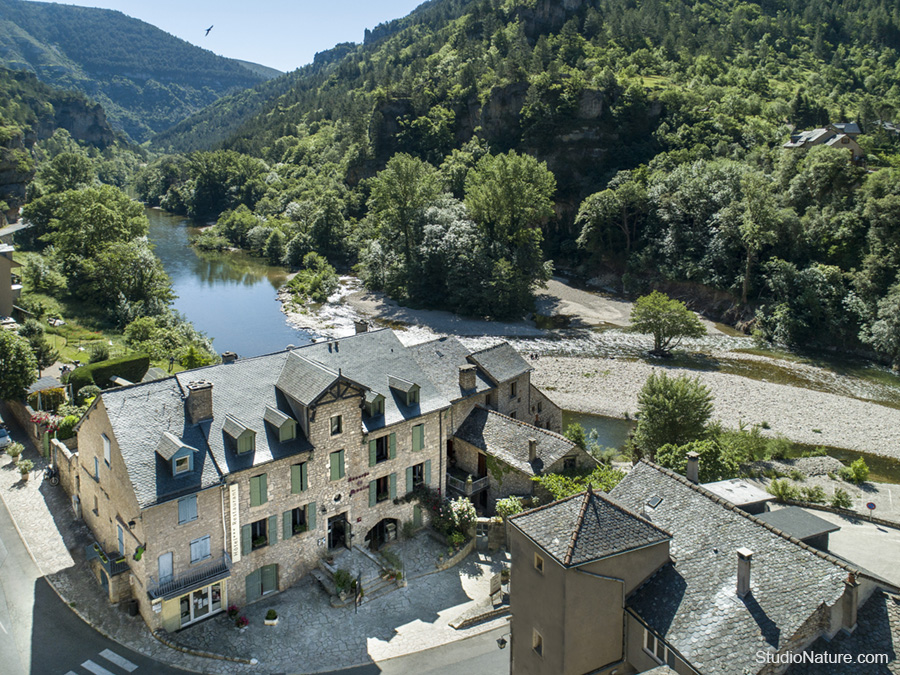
(610,387)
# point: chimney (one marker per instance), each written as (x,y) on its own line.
(743,577)
(229,357)
(850,602)
(693,467)
(199,401)
(467,377)
(361,327)
(532,449)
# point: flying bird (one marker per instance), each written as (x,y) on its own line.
(207,31)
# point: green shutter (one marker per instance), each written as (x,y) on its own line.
(263,491)
(311,516)
(246,542)
(304,478)
(409,480)
(273,529)
(372,453)
(340,463)
(393,448)
(373,496)
(392,480)
(417,516)
(287,525)
(254,491)
(427,473)
(269,578)
(335,465)
(296,479)
(254,590)
(418,437)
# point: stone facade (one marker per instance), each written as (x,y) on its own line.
(544,412)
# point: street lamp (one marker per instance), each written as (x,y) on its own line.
(502,641)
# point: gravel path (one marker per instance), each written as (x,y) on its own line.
(610,387)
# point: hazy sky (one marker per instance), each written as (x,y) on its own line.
(282,34)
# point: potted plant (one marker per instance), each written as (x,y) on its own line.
(241,622)
(232,612)
(14,450)
(271,618)
(25,466)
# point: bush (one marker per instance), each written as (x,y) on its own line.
(50,399)
(778,448)
(24,466)
(813,495)
(408,529)
(509,506)
(87,393)
(99,352)
(841,500)
(342,580)
(456,539)
(67,427)
(271,615)
(15,449)
(132,368)
(797,475)
(782,490)
(857,472)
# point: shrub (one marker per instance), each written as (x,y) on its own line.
(782,490)
(241,621)
(456,539)
(841,500)
(813,495)
(408,529)
(87,393)
(25,465)
(132,367)
(271,615)
(99,352)
(342,580)
(67,427)
(815,452)
(857,472)
(797,475)
(232,612)
(15,449)
(50,399)
(778,448)
(509,506)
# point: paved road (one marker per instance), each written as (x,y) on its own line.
(39,635)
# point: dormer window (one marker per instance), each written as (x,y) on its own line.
(285,424)
(408,390)
(243,436)
(412,396)
(178,454)
(374,404)
(181,464)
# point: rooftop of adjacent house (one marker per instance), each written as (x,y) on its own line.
(586,527)
(660,670)
(849,128)
(508,440)
(441,360)
(501,362)
(692,601)
(877,632)
(738,492)
(46,382)
(798,523)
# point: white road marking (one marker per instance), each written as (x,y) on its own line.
(94,668)
(120,661)
(4,628)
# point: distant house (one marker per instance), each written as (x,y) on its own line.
(10,284)
(663,572)
(838,135)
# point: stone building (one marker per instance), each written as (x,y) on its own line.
(10,284)
(220,485)
(662,572)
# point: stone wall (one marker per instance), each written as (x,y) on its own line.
(518,406)
(67,464)
(544,412)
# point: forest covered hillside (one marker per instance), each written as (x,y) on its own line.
(146,79)
(458,150)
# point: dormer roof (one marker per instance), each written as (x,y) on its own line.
(401,385)
(275,417)
(170,444)
(235,427)
(304,380)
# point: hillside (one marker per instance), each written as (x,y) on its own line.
(146,79)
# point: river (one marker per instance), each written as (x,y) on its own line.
(229,296)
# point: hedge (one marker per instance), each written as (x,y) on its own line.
(132,367)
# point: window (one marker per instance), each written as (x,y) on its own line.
(200,549)
(287,431)
(489,400)
(658,650)
(259,534)
(537,642)
(106,448)
(258,493)
(418,437)
(375,407)
(337,425)
(261,581)
(513,414)
(121,533)
(96,468)
(540,407)
(337,465)
(382,489)
(512,389)
(187,509)
(182,464)
(538,563)
(296,518)
(382,449)
(412,396)
(164,565)
(299,481)
(246,442)
(420,474)
(569,463)
(96,506)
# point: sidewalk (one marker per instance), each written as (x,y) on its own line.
(311,635)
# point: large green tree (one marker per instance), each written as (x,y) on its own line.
(17,366)
(666,319)
(671,410)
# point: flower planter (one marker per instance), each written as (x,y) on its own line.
(270,622)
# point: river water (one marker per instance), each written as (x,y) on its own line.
(229,296)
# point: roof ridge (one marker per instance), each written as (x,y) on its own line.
(579,522)
(523,423)
(544,506)
(628,512)
(729,505)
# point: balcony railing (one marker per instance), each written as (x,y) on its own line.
(113,563)
(198,576)
(466,487)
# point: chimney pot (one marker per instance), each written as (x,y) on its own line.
(693,467)
(467,377)
(361,327)
(532,449)
(229,357)
(199,401)
(743,576)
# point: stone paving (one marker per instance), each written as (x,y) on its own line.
(310,636)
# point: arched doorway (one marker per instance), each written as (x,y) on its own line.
(384,531)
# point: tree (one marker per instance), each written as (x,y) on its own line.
(759,222)
(562,485)
(66,171)
(670,411)
(17,366)
(716,462)
(667,319)
(275,247)
(621,208)
(884,333)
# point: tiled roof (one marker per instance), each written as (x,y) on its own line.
(234,427)
(877,632)
(739,492)
(797,522)
(692,603)
(587,527)
(501,362)
(169,444)
(507,439)
(441,359)
(275,416)
(304,380)
(847,127)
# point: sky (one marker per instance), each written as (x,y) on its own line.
(282,34)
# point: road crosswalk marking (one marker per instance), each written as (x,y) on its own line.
(94,668)
(120,661)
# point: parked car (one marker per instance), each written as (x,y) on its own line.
(4,437)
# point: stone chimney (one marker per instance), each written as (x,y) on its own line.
(532,449)
(850,602)
(743,577)
(693,467)
(467,377)
(199,401)
(361,326)
(229,357)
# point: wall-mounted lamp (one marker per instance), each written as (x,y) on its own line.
(502,641)
(131,524)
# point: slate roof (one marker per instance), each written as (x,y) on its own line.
(501,362)
(587,527)
(798,523)
(303,379)
(275,416)
(692,602)
(441,359)
(877,632)
(739,492)
(235,427)
(169,444)
(46,382)
(847,127)
(507,439)
(370,359)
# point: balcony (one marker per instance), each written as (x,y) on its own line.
(113,564)
(469,486)
(197,577)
